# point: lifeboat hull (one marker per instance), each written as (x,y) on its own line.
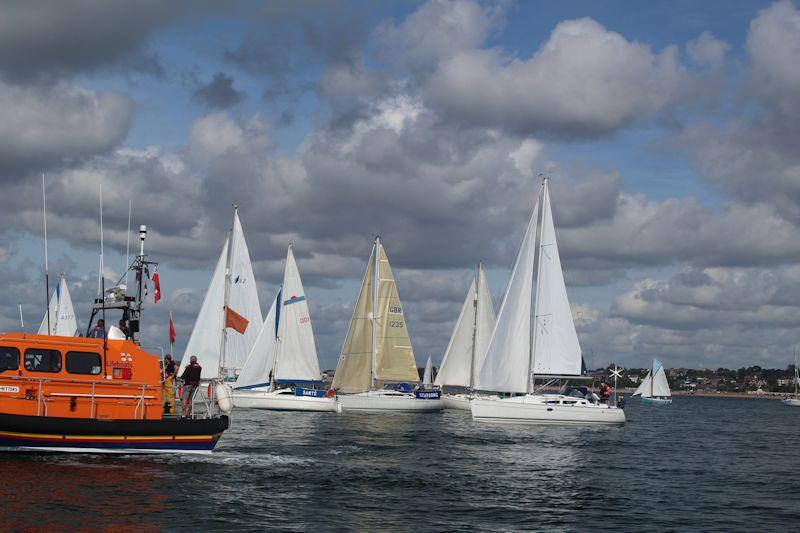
(42,433)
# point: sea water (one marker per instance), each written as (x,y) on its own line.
(700,464)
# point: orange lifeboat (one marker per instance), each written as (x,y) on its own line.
(93,394)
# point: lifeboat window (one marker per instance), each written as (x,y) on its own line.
(84,363)
(38,360)
(9,358)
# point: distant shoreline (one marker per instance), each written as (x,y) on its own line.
(708,394)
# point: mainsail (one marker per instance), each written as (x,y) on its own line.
(377,348)
(62,313)
(207,337)
(470,338)
(512,357)
(655,384)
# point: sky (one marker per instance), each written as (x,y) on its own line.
(670,130)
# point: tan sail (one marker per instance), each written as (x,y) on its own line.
(353,372)
(394,357)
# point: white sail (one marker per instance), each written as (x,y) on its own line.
(206,338)
(62,313)
(470,338)
(427,377)
(297,353)
(242,298)
(204,342)
(52,310)
(644,387)
(556,348)
(261,360)
(655,384)
(505,367)
(660,384)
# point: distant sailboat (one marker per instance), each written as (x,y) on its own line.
(377,350)
(427,376)
(654,388)
(794,402)
(468,343)
(283,355)
(62,314)
(519,351)
(232,285)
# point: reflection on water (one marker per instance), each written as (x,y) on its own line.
(698,464)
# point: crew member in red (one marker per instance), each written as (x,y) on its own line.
(605,392)
(191,380)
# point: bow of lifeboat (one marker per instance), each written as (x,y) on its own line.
(74,394)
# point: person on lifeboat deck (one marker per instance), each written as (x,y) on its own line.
(99,331)
(169,384)
(191,380)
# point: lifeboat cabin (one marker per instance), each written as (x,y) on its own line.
(90,395)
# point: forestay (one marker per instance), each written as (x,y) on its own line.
(505,367)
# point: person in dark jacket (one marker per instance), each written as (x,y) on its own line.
(191,380)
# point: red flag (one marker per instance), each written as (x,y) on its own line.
(156,287)
(235,320)
(171,329)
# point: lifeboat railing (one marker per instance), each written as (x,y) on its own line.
(140,397)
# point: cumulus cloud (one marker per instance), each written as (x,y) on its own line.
(585,81)
(707,50)
(56,125)
(57,38)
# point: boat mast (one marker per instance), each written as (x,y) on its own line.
(539,251)
(475,325)
(227,293)
(46,269)
(281,323)
(375,282)
(796,374)
(653,378)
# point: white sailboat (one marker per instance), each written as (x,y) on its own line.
(794,401)
(62,320)
(284,355)
(654,388)
(222,353)
(468,343)
(519,352)
(377,350)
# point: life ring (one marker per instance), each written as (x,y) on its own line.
(330,393)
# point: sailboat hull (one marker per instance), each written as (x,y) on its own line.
(545,409)
(281,400)
(456,401)
(657,401)
(793,402)
(387,401)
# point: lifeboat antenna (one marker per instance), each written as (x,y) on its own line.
(21,321)
(46,269)
(128,245)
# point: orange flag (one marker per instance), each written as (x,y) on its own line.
(235,320)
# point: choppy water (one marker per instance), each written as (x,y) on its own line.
(702,463)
